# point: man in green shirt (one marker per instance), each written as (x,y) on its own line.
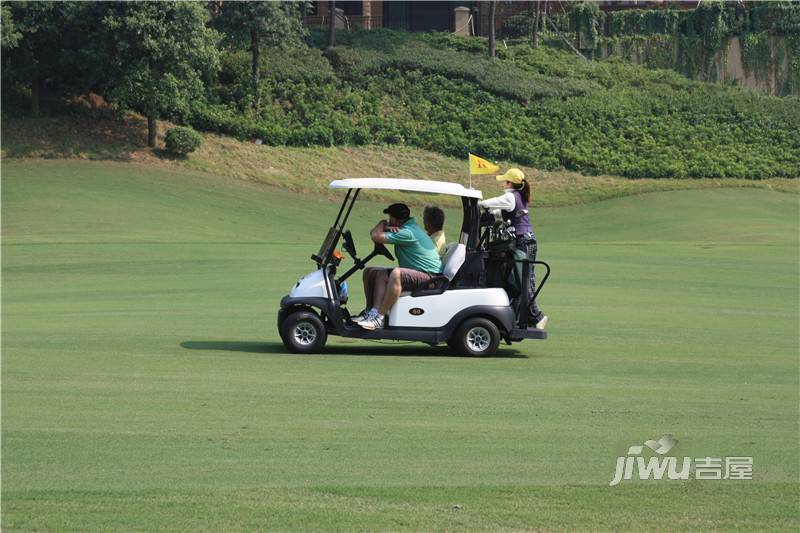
(417,258)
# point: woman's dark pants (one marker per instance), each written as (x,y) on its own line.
(528,244)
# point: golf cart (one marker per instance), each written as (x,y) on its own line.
(480,298)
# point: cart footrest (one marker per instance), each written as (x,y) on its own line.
(517,334)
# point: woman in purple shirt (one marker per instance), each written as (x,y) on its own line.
(515,200)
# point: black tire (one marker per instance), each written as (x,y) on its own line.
(476,337)
(303,332)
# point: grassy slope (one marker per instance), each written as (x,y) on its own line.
(539,106)
(311,169)
(144,385)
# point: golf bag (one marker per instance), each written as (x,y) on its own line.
(504,269)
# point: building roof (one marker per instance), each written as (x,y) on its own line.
(433,187)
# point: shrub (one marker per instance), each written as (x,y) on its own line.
(296,64)
(181,140)
(455,42)
(517,26)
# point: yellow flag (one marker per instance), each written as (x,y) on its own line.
(481,166)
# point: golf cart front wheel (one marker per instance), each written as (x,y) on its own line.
(303,332)
(476,337)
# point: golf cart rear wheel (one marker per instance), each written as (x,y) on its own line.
(476,337)
(303,332)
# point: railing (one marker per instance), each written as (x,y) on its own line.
(349,21)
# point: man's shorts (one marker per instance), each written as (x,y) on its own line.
(410,279)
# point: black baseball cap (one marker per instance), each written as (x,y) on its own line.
(399,211)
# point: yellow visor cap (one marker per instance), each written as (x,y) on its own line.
(514,175)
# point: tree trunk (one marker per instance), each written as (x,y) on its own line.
(536,20)
(255,46)
(492,42)
(545,14)
(332,24)
(152,131)
(35,86)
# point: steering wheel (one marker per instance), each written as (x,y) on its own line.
(380,249)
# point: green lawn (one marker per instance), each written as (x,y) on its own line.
(144,385)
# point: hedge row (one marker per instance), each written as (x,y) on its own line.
(498,78)
(608,117)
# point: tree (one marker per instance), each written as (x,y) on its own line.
(492,18)
(33,40)
(159,54)
(332,24)
(260,24)
(536,21)
(10,37)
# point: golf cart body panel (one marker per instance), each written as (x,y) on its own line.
(437,310)
(458,307)
(312,285)
(434,311)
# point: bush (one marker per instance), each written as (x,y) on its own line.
(182,140)
(460,43)
(516,27)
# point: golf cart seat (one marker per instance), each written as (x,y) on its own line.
(452,261)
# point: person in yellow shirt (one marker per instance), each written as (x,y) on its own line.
(433,219)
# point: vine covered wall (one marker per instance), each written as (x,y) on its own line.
(756,45)
(758,60)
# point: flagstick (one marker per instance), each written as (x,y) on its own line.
(469,170)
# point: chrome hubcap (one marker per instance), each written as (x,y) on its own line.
(478,339)
(305,333)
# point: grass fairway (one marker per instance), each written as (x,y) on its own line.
(144,385)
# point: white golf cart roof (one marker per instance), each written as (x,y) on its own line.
(434,187)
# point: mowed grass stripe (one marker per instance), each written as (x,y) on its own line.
(417,508)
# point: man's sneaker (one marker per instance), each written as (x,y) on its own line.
(360,316)
(542,323)
(372,322)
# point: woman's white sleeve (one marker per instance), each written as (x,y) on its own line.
(504,203)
